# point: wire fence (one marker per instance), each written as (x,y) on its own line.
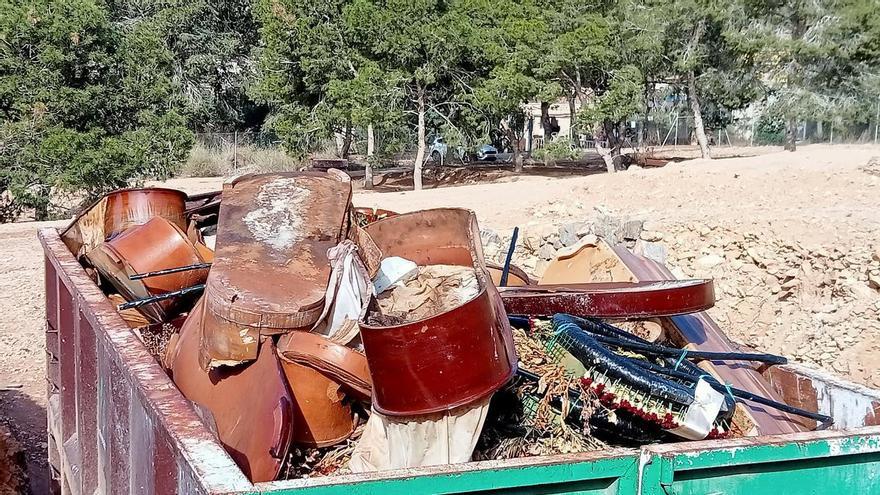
(673,132)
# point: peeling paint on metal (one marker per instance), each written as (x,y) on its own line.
(277,220)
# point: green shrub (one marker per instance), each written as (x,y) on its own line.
(770,130)
(558,149)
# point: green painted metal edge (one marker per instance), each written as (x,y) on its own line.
(786,448)
(798,463)
(612,475)
(776,453)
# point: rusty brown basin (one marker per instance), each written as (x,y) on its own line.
(450,359)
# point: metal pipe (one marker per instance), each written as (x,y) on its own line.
(658,350)
(161,297)
(167,271)
(506,269)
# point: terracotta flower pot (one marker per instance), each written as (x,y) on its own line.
(324,378)
(156,245)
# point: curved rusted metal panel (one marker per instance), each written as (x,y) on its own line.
(611,299)
(515,276)
(115,212)
(342,364)
(321,374)
(129,207)
(453,358)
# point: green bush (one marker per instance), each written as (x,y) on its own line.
(558,149)
(770,130)
(87,105)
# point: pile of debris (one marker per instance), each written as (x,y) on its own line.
(315,338)
(818,304)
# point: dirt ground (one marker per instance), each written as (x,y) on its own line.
(818,198)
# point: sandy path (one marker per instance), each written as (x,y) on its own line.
(815,196)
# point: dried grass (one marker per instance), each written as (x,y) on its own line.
(225,161)
(529,423)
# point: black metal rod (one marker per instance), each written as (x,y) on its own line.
(739,393)
(167,271)
(658,350)
(161,297)
(505,271)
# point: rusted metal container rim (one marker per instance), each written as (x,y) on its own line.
(611,299)
(126,190)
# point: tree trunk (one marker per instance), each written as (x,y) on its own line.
(545,121)
(791,134)
(371,148)
(346,141)
(572,120)
(699,129)
(41,212)
(516,147)
(607,128)
(420,154)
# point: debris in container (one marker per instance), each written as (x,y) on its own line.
(271,266)
(365,216)
(527,417)
(611,299)
(446,437)
(348,294)
(325,378)
(314,462)
(155,245)
(322,348)
(435,289)
(133,317)
(251,405)
(156,339)
(444,353)
(393,270)
(120,210)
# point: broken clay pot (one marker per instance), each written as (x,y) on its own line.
(250,405)
(156,245)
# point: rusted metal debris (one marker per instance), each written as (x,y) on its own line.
(249,408)
(611,299)
(248,353)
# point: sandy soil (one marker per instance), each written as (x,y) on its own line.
(816,196)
